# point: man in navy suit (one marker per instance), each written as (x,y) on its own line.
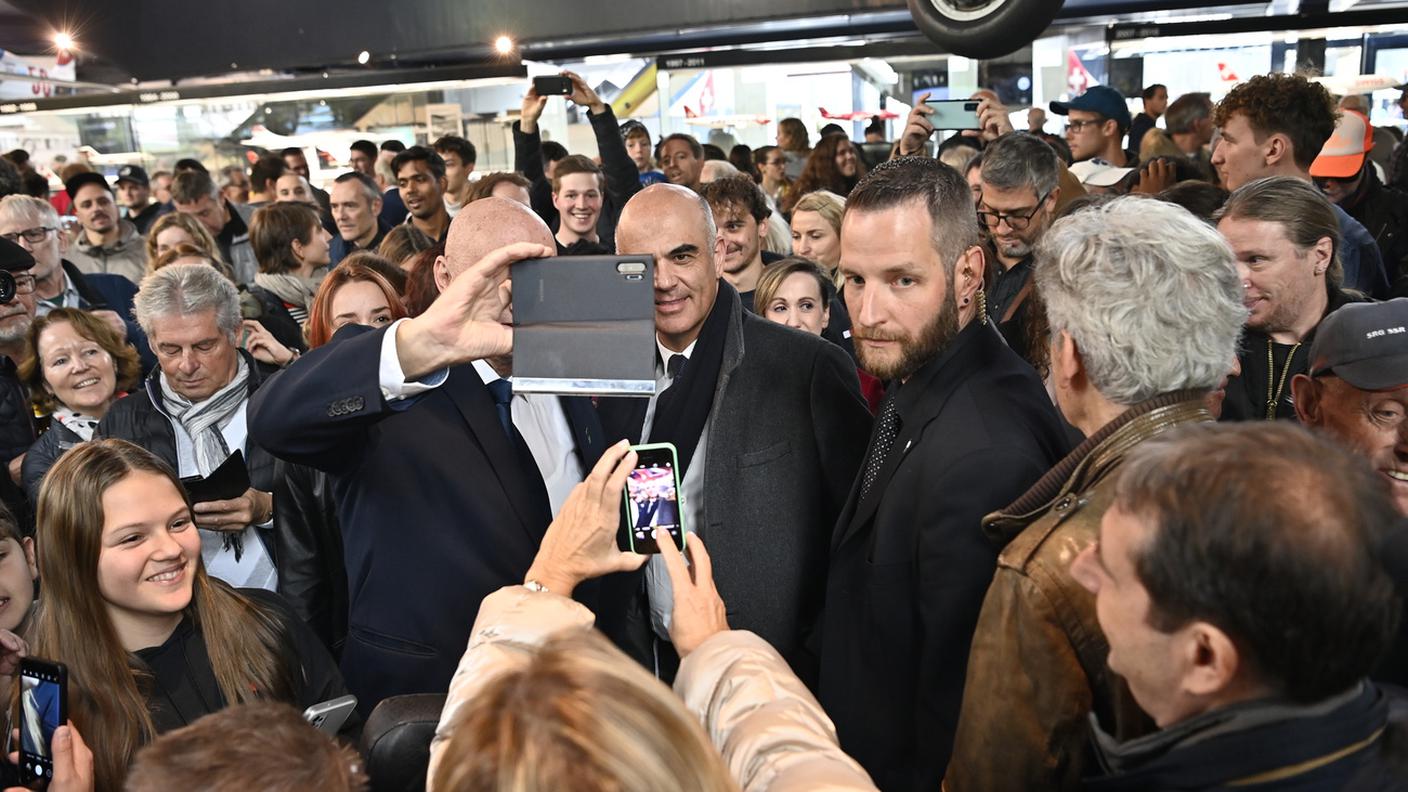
(438,494)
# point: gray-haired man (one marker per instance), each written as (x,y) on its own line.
(1019,178)
(191,413)
(195,193)
(1145,308)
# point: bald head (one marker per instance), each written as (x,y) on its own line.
(646,207)
(484,226)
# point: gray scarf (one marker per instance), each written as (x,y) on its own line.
(203,421)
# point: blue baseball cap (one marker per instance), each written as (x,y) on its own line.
(1100,99)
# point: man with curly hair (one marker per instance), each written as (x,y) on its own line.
(1275,125)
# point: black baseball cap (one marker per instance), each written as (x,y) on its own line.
(14,258)
(1100,99)
(79,181)
(630,125)
(1364,344)
(133,173)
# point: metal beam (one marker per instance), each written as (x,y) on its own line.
(332,81)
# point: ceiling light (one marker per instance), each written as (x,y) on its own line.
(63,41)
(363,57)
(503,45)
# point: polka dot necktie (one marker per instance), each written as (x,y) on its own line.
(885,430)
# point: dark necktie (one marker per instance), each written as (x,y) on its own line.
(502,391)
(885,430)
(675,366)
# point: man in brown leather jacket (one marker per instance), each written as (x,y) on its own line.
(1145,308)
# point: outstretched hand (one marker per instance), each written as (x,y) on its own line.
(584,95)
(917,128)
(993,119)
(698,610)
(581,542)
(533,105)
(466,322)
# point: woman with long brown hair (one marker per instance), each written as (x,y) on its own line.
(833,165)
(150,641)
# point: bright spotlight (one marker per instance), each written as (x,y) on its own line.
(63,41)
(503,45)
(363,57)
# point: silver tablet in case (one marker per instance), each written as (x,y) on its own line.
(584,325)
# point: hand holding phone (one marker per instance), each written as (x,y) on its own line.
(581,542)
(43,709)
(954,113)
(698,610)
(652,498)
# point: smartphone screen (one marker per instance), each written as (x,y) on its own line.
(954,113)
(653,498)
(43,708)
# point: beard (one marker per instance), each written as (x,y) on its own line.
(914,350)
(14,332)
(1014,248)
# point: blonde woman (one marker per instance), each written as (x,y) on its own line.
(174,229)
(543,701)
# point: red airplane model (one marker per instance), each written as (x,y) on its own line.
(859,115)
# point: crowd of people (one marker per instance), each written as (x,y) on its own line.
(1023,462)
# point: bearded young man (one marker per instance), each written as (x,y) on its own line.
(965,428)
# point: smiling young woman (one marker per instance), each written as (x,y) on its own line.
(150,641)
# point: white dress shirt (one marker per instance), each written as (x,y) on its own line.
(255,567)
(539,418)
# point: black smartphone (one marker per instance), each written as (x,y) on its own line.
(230,480)
(43,709)
(652,497)
(553,85)
(954,113)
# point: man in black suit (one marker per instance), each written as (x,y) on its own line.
(769,427)
(438,494)
(965,428)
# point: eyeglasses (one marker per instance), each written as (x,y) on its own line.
(24,283)
(1016,222)
(31,235)
(1075,125)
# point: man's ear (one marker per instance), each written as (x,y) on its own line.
(719,244)
(1072,365)
(1211,661)
(763,227)
(1324,254)
(971,265)
(1305,394)
(1277,149)
(442,273)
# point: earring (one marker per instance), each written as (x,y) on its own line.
(965,301)
(982,296)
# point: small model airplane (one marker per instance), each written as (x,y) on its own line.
(722,121)
(1351,85)
(859,115)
